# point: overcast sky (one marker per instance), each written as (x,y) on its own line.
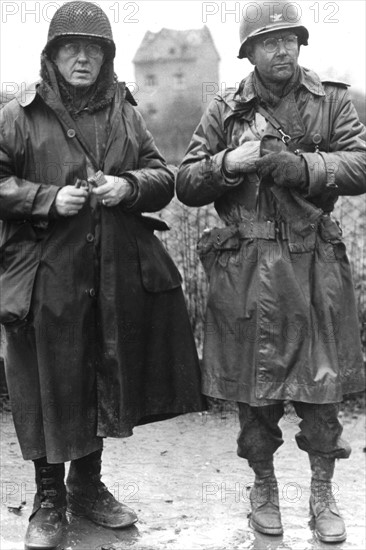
(337,35)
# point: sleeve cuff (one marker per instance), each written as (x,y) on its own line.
(321,174)
(43,202)
(130,201)
(231,178)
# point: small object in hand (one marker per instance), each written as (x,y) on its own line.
(97,179)
(92,182)
(81,184)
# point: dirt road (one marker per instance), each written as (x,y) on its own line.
(190,489)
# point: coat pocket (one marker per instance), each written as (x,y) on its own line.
(331,244)
(19,260)
(215,241)
(158,271)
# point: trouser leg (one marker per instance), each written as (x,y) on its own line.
(258,439)
(320,430)
(259,436)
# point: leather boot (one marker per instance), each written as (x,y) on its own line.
(45,529)
(265,516)
(328,523)
(88,496)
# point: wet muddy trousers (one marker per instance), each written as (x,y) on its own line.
(320,431)
(319,436)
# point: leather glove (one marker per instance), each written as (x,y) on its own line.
(286,169)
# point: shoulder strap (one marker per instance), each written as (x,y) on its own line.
(276,125)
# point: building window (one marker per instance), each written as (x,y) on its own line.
(179,81)
(151,80)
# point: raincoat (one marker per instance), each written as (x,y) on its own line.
(98,336)
(281,318)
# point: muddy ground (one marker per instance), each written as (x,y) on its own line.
(190,490)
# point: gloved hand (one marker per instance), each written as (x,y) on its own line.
(286,169)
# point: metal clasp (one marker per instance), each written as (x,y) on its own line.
(284,137)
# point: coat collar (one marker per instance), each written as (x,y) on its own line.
(243,99)
(26,96)
(308,79)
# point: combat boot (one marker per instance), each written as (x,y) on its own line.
(88,496)
(265,515)
(46,523)
(328,523)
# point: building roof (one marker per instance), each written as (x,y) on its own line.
(170,44)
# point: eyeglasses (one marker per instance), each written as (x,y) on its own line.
(271,44)
(74,48)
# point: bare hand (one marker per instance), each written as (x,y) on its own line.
(242,159)
(113,191)
(70,200)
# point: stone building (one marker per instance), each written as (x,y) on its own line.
(173,71)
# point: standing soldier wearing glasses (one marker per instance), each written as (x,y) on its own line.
(281,319)
(97,335)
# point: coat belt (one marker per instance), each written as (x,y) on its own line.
(268,230)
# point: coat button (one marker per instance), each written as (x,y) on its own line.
(71,133)
(90,237)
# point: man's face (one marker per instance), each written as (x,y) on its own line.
(275,60)
(79,61)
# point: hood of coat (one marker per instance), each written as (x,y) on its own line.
(27,95)
(94,98)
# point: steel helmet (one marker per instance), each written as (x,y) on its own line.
(264,17)
(81,19)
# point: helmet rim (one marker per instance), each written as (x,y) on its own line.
(108,45)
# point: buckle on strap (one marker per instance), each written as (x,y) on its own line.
(284,137)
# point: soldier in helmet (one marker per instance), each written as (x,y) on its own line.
(98,339)
(281,322)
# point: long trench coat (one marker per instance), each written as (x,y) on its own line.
(281,317)
(98,336)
